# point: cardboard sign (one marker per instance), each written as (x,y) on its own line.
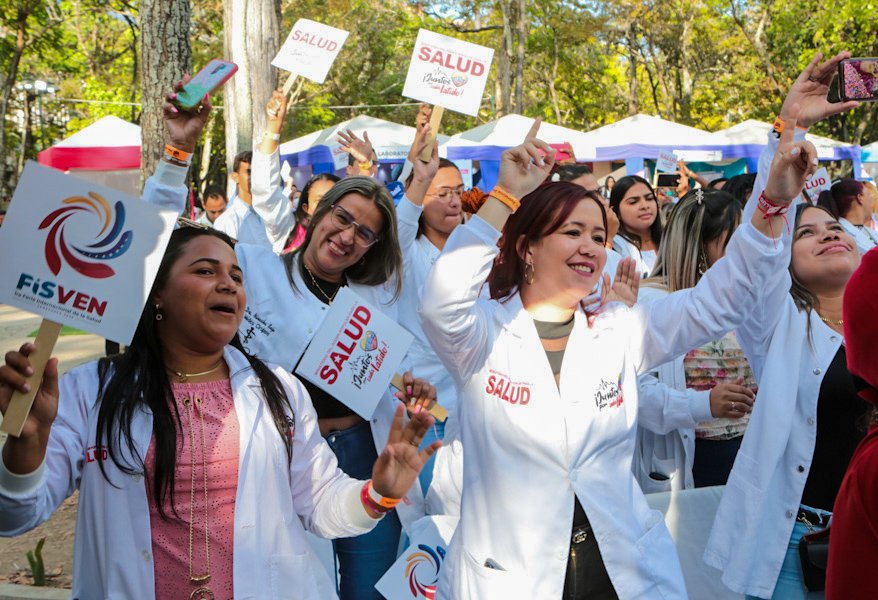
(355,353)
(415,573)
(666,162)
(818,182)
(79,253)
(310,49)
(448,72)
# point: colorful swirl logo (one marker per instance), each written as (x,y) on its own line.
(422,570)
(369,342)
(113,244)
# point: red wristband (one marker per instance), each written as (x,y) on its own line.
(369,503)
(769,209)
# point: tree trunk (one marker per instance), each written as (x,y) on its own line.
(521,34)
(631,38)
(9,86)
(252,38)
(504,63)
(165,55)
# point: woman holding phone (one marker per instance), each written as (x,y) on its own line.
(550,508)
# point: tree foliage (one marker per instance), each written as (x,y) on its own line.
(580,63)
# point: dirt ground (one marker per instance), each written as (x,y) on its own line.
(57,550)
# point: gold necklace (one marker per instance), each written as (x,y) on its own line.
(184,377)
(839,323)
(320,289)
(201,592)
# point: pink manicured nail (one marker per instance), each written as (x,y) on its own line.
(25,388)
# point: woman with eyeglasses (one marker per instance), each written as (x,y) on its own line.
(353,241)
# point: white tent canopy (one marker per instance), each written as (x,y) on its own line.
(509,131)
(391,141)
(753,132)
(644,130)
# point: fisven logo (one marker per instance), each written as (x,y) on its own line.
(113,244)
(422,582)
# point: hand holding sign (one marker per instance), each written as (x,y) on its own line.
(309,51)
(26,453)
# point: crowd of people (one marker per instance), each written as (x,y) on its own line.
(593,342)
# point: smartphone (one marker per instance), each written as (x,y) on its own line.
(216,73)
(858,79)
(667,180)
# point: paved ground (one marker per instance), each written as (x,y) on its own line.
(72,350)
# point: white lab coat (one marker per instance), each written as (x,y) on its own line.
(280,321)
(240,222)
(275,501)
(758,510)
(668,413)
(530,448)
(626,249)
(865,238)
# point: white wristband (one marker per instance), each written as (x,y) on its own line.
(274,136)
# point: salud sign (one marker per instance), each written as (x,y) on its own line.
(448,72)
(310,49)
(354,353)
(79,253)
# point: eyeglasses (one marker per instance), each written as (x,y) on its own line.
(445,193)
(342,219)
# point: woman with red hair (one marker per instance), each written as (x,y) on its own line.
(851,203)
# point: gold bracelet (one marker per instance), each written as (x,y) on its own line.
(506,198)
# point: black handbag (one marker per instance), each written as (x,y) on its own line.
(814,556)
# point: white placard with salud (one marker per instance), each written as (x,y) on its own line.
(666,162)
(355,353)
(80,254)
(310,49)
(818,182)
(448,72)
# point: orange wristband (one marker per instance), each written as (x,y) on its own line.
(385,503)
(506,198)
(177,154)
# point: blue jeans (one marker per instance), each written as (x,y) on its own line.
(362,560)
(790,582)
(437,432)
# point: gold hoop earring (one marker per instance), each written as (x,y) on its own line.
(529,273)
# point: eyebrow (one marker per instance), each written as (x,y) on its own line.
(828,222)
(215,262)
(582,226)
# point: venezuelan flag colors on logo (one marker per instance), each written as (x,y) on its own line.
(113,241)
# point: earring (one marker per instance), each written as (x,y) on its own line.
(158,312)
(529,273)
(702,263)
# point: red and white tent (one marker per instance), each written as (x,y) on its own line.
(106,152)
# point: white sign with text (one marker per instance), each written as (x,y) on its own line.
(448,72)
(355,353)
(79,253)
(818,182)
(666,162)
(310,49)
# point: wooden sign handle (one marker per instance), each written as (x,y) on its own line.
(20,404)
(435,122)
(439,413)
(288,85)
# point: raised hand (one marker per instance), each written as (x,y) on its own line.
(625,285)
(25,453)
(810,89)
(793,163)
(525,167)
(184,127)
(360,149)
(276,109)
(422,172)
(400,462)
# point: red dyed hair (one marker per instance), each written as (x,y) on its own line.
(841,196)
(541,213)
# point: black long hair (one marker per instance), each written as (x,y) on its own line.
(302,208)
(618,194)
(137,381)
